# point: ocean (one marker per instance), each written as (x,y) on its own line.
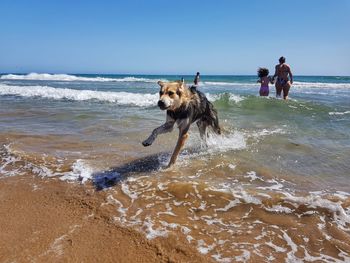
(274,187)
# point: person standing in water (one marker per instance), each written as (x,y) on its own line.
(283,73)
(196,79)
(264,79)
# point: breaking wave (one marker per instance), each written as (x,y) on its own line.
(121,98)
(339,113)
(66,77)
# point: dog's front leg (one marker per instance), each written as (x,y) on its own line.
(166,127)
(183,135)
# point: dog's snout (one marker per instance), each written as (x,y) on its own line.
(161,104)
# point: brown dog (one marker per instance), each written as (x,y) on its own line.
(184,106)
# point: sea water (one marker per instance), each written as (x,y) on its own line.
(274,187)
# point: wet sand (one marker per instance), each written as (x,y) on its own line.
(46,220)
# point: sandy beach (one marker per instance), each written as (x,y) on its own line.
(46,220)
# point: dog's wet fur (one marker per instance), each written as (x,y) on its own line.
(184,106)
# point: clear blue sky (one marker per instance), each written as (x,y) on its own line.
(174,37)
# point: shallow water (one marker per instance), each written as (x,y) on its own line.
(274,187)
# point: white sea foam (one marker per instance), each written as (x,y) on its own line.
(121,98)
(218,257)
(232,97)
(296,84)
(7,159)
(203,248)
(235,98)
(340,215)
(232,166)
(231,204)
(294,248)
(339,113)
(226,142)
(152,233)
(66,77)
(222,83)
(275,247)
(131,194)
(266,132)
(241,194)
(252,176)
(279,209)
(81,171)
(244,257)
(300,84)
(275,185)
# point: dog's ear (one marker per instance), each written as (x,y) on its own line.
(181,87)
(160,83)
(182,84)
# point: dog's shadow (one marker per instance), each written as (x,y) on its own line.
(109,178)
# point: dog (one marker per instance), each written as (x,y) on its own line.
(183,106)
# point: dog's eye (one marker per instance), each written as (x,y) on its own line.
(170,93)
(161,93)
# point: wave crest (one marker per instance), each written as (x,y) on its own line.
(121,98)
(66,77)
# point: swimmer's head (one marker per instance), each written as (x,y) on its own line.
(282,60)
(263,72)
(198,73)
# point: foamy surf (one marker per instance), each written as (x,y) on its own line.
(71,78)
(220,222)
(225,96)
(120,98)
(14,162)
(339,112)
(222,219)
(81,171)
(296,84)
(66,77)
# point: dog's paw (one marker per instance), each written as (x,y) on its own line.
(146,143)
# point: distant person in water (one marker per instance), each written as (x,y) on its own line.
(196,79)
(284,78)
(264,79)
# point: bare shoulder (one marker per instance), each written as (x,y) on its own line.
(288,68)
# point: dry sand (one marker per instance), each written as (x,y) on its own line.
(46,220)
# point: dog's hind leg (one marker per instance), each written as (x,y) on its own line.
(202,127)
(216,126)
(215,121)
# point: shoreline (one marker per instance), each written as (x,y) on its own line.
(47,220)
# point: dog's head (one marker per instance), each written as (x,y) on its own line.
(171,95)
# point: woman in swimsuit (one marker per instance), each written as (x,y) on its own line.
(283,74)
(264,79)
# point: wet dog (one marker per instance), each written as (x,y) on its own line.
(184,106)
